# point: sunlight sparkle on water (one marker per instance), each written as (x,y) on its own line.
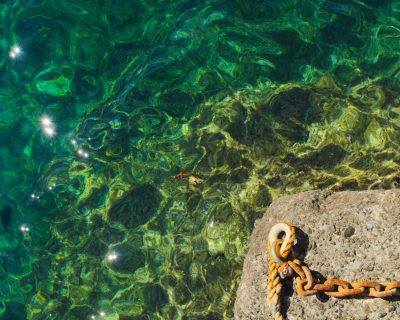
(111,256)
(82,153)
(48,131)
(34,196)
(47,125)
(24,228)
(15,51)
(46,121)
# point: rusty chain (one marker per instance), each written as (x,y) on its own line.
(283,264)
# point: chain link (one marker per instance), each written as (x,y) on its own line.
(283,264)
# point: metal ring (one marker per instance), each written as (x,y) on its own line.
(273,237)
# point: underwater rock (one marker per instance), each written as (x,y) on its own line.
(375,135)
(55,81)
(369,95)
(136,207)
(328,156)
(355,254)
(133,301)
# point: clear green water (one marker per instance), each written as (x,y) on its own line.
(257,99)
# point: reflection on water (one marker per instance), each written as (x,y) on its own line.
(140,140)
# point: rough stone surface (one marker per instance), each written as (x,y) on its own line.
(331,247)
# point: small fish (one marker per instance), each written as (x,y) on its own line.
(5,217)
(180,175)
(193,180)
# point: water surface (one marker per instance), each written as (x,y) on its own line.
(103,103)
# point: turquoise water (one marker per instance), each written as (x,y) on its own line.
(140,141)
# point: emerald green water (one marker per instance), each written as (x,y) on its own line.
(102,103)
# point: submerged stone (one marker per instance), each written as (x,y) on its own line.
(136,207)
(328,156)
(55,81)
(375,135)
